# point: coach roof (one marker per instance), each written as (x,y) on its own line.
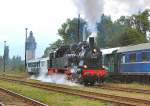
(38,59)
(143,46)
(109,50)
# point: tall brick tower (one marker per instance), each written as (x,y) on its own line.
(30,47)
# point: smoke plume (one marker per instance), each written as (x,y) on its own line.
(135,6)
(91,9)
(55,78)
(117,8)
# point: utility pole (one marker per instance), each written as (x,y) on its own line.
(4,57)
(78,33)
(26,48)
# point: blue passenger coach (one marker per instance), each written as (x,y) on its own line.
(135,59)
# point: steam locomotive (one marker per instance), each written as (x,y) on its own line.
(81,62)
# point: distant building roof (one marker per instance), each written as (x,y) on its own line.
(143,46)
(38,59)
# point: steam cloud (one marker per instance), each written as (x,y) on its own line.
(55,78)
(135,6)
(92,10)
(117,8)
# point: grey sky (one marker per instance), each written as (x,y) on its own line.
(44,17)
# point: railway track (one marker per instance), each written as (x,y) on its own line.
(27,101)
(132,90)
(119,100)
(108,87)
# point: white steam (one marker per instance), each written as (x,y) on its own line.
(135,6)
(55,78)
(117,8)
(91,9)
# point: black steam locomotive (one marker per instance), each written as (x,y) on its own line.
(81,62)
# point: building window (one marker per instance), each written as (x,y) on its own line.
(145,56)
(132,57)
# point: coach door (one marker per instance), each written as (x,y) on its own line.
(112,63)
(109,62)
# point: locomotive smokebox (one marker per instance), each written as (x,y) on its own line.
(91,42)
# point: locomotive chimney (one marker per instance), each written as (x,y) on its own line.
(91,42)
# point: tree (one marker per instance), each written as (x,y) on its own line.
(69,30)
(131,36)
(139,21)
(109,32)
(104,30)
(113,38)
(15,63)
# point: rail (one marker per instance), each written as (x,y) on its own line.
(86,94)
(28,100)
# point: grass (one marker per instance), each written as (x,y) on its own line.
(99,90)
(118,93)
(50,98)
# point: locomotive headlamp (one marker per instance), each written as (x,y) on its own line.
(85,66)
(94,50)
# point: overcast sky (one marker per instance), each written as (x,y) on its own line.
(44,17)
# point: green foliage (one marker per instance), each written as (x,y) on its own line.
(139,21)
(124,31)
(15,64)
(132,36)
(109,32)
(1,61)
(69,30)
(104,30)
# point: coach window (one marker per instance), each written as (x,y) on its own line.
(145,56)
(29,65)
(132,57)
(43,63)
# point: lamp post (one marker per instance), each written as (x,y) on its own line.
(4,57)
(25,48)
